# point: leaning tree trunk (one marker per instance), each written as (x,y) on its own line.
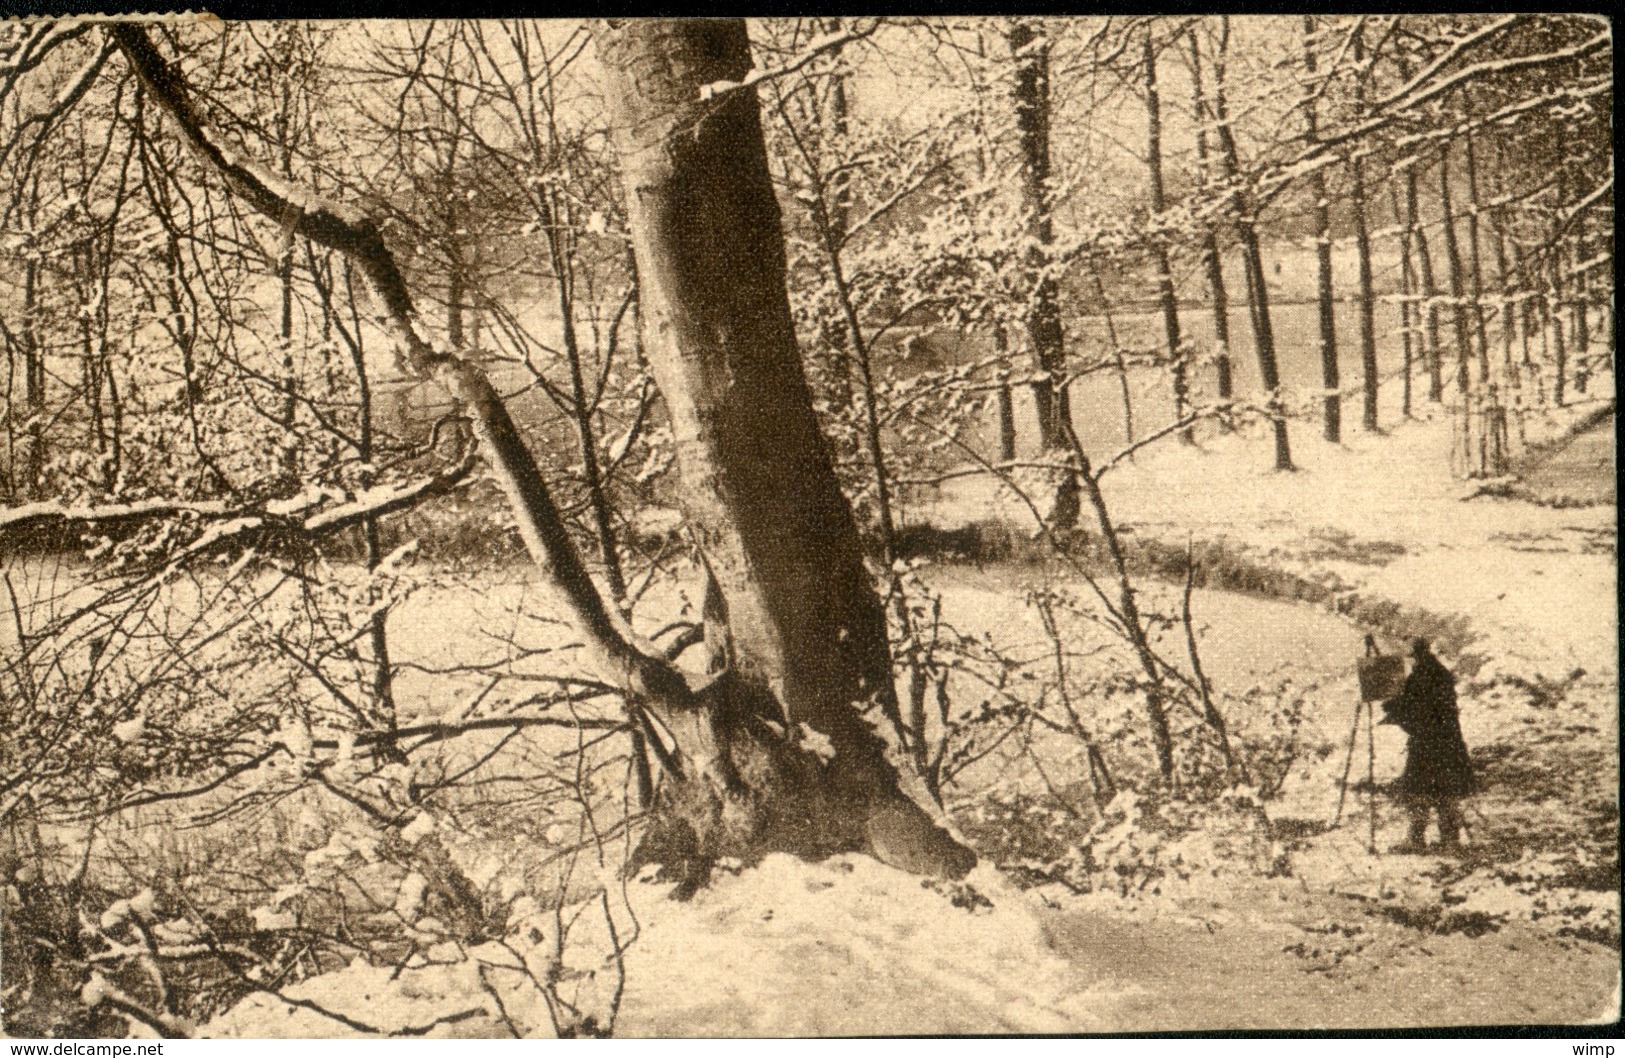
(1246,221)
(807,633)
(772,754)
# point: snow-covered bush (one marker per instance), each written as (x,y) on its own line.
(1148,843)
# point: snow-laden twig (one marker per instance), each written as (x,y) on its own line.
(818,46)
(1211,412)
(1461,47)
(233,523)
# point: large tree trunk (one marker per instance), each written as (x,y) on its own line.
(747,767)
(807,633)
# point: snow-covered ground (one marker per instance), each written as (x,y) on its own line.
(1523,927)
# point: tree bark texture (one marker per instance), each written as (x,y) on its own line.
(807,631)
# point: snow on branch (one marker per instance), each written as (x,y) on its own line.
(1490,67)
(1420,91)
(65,100)
(31,52)
(1461,47)
(1604,188)
(139,510)
(829,42)
(235,522)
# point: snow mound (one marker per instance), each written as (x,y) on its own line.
(847,947)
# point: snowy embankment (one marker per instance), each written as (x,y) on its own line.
(1382,517)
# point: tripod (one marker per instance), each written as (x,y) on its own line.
(1381,677)
(1366,709)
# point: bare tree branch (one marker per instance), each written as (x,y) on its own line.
(611,646)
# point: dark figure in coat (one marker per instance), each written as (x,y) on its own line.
(1438,772)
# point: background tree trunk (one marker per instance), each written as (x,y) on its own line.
(1409,315)
(1458,315)
(1159,246)
(1211,258)
(1330,378)
(1030,50)
(1362,245)
(1253,261)
(1427,310)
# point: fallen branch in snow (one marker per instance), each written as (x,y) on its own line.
(99,991)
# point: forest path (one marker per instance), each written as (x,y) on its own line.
(1272,958)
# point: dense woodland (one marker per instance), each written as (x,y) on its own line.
(653,332)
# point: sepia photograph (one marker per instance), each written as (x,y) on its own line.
(826,526)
